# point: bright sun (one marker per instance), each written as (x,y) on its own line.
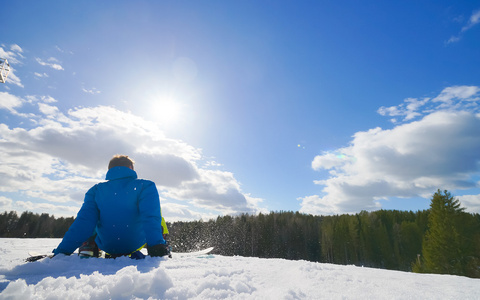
(165,111)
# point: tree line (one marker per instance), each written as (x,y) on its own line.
(32,225)
(443,239)
(380,239)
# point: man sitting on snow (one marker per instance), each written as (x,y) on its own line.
(123,212)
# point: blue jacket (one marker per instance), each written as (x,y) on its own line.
(124,212)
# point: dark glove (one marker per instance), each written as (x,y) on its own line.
(158,250)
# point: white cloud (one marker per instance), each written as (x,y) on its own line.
(458,93)
(16,48)
(408,109)
(52,209)
(315,205)
(14,56)
(413,159)
(9,101)
(5,204)
(179,212)
(470,202)
(328,160)
(472,21)
(453,39)
(40,75)
(217,190)
(52,64)
(63,154)
(44,99)
(48,110)
(92,91)
(451,98)
(212,163)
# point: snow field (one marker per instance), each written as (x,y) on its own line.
(209,277)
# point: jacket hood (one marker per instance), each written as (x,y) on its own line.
(120,172)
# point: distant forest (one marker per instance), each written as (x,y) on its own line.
(32,225)
(443,239)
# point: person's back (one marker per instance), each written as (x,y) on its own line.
(125,209)
(124,213)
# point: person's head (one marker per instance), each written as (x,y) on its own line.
(121,161)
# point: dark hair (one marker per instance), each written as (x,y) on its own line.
(121,161)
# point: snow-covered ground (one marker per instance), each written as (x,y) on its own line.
(209,277)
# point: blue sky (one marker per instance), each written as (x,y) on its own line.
(322,107)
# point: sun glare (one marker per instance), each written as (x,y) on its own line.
(165,111)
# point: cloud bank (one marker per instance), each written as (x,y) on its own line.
(52,161)
(434,145)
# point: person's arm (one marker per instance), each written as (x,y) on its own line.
(83,226)
(150,213)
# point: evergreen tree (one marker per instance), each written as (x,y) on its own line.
(442,247)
